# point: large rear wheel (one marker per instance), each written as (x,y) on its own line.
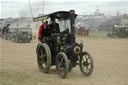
(62,65)
(86,64)
(44,57)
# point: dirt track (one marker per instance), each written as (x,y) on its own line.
(19,65)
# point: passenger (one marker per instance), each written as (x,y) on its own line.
(54,26)
(5,29)
(43,31)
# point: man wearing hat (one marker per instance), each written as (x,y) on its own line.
(54,27)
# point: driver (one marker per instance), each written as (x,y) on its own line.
(54,26)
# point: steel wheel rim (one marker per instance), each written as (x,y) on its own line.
(86,64)
(42,58)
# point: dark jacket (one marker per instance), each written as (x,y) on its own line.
(45,32)
(54,28)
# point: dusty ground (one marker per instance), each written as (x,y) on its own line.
(18,64)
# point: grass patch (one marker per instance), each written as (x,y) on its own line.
(97,35)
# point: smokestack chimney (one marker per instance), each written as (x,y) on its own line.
(72,21)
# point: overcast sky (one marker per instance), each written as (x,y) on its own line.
(18,8)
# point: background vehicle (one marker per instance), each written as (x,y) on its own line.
(82,31)
(61,49)
(119,31)
(19,34)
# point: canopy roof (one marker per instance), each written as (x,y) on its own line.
(61,15)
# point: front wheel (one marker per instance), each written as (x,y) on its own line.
(86,64)
(62,65)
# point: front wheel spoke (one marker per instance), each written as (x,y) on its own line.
(87,58)
(83,66)
(83,61)
(89,64)
(88,68)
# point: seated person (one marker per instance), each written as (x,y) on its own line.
(54,26)
(44,31)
